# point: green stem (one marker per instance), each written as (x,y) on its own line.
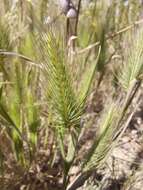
(129,98)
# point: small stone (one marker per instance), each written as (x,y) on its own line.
(64,4)
(125,139)
(72,13)
(74,170)
(134,132)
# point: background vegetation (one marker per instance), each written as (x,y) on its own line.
(71,95)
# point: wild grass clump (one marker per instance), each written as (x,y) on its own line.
(52,71)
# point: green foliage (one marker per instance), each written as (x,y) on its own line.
(102,144)
(60,93)
(45,85)
(4,37)
(133,63)
(87,78)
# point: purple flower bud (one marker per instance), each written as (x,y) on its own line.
(72,13)
(64,4)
